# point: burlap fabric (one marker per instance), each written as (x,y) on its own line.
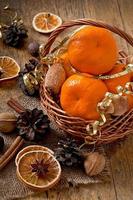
(10,187)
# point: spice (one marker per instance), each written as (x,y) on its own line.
(12,150)
(18,142)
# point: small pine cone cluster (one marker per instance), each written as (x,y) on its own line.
(14,34)
(68,153)
(32,125)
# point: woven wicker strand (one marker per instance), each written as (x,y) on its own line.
(114,129)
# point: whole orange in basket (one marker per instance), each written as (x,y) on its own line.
(80,95)
(38,170)
(130,101)
(93,50)
(67,65)
(114,82)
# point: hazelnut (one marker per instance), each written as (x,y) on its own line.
(7,122)
(94,163)
(33,48)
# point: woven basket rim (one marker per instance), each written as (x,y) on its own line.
(60,116)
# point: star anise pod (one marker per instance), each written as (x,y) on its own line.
(40,168)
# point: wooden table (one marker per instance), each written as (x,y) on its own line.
(120,14)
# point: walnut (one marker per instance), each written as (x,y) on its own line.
(7,122)
(94,163)
(118,106)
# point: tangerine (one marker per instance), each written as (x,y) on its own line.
(130,101)
(67,65)
(114,82)
(93,50)
(80,95)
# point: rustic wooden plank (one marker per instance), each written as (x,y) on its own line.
(122,162)
(103,11)
(125,10)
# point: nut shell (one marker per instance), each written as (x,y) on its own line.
(7,122)
(55,77)
(94,164)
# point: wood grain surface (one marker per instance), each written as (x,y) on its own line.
(115,12)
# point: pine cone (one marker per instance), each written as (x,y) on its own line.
(33,125)
(68,153)
(14,34)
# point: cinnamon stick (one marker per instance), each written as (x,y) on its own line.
(18,142)
(12,150)
(16,106)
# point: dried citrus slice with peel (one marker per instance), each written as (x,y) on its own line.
(31,148)
(9,69)
(46,22)
(38,170)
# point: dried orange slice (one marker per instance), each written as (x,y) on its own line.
(38,170)
(31,148)
(9,69)
(46,22)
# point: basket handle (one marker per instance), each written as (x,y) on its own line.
(72,23)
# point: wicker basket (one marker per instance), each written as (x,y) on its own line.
(113,129)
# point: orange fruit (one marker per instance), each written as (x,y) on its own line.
(80,95)
(93,50)
(9,69)
(67,65)
(114,82)
(38,170)
(130,101)
(46,22)
(31,148)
